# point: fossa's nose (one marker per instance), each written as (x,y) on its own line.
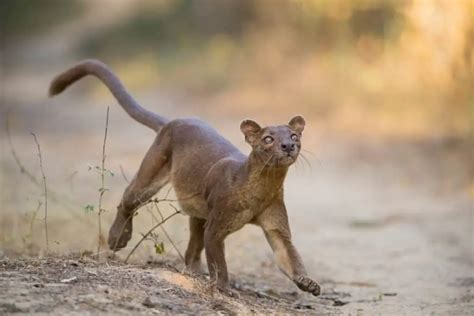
(287,147)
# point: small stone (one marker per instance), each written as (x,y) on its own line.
(149,303)
(69,280)
(303,306)
(339,303)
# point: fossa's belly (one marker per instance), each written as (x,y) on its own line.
(195,206)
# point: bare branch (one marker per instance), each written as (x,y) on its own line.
(166,233)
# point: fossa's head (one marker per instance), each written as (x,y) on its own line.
(275,145)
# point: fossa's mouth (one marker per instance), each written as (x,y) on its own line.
(287,160)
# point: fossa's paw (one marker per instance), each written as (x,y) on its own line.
(308,285)
(228,291)
(195,267)
(120,233)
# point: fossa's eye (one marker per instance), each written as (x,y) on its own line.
(294,137)
(268,140)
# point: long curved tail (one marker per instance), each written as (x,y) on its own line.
(101,71)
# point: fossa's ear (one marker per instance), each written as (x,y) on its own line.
(297,124)
(251,130)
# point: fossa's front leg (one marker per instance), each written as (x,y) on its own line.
(274,222)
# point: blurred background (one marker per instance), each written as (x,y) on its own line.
(386,88)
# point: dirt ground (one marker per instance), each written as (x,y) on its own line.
(73,285)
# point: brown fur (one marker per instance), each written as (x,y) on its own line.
(220,188)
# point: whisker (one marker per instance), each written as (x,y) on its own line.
(302,164)
(297,163)
(264,165)
(262,169)
(309,152)
(268,176)
(313,155)
(273,174)
(307,161)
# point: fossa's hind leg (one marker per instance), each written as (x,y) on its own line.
(151,177)
(195,245)
(217,228)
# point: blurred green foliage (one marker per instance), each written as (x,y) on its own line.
(326,24)
(26,18)
(176,33)
(186,25)
(202,40)
(181,25)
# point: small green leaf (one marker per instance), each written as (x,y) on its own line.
(109,172)
(89,208)
(160,248)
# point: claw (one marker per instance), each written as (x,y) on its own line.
(308,285)
(229,292)
(119,234)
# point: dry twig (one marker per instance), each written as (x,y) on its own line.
(102,188)
(45,187)
(150,231)
(23,170)
(166,233)
(52,195)
(161,215)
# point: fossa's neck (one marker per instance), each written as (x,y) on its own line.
(263,178)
